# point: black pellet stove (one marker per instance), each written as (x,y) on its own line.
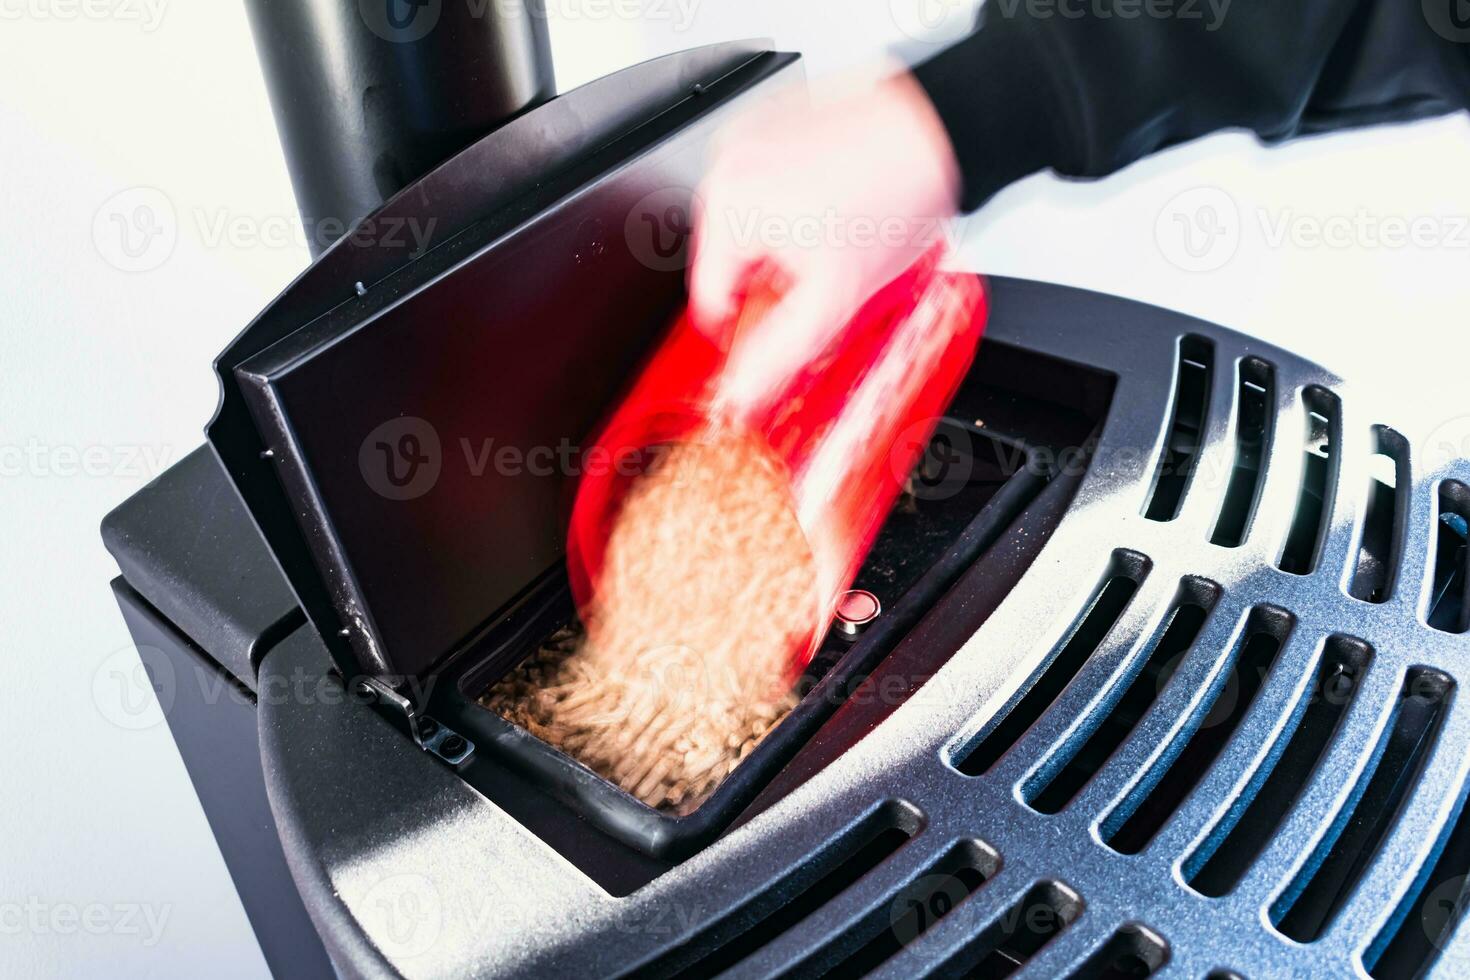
(1164,682)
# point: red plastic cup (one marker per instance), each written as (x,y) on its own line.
(848,428)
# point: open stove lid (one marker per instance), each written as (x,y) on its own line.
(403,422)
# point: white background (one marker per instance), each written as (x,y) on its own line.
(106,375)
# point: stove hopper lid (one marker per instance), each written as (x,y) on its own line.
(404,428)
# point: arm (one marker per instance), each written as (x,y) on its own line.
(1087,95)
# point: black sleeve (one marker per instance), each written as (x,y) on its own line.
(1086,87)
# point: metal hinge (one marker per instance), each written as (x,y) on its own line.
(430,735)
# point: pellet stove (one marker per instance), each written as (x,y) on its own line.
(1164,682)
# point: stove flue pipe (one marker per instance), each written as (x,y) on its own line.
(369,95)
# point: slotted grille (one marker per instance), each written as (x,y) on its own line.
(1214,731)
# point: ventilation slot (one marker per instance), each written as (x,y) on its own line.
(1306,909)
(1255,416)
(833,872)
(1134,951)
(1048,793)
(1124,577)
(1426,923)
(1005,946)
(1383,518)
(1449,608)
(888,929)
(1266,632)
(1319,482)
(1339,674)
(1186,430)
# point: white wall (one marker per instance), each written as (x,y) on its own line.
(106,373)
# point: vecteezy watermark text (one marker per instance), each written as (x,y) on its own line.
(46,460)
(1365,229)
(221,227)
(1209,13)
(38,917)
(407,21)
(403,458)
(660,227)
(1202,229)
(138,230)
(135,688)
(147,14)
(829,229)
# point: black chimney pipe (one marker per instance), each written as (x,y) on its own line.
(369,95)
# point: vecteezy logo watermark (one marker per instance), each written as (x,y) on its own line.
(943,467)
(407,912)
(1449,443)
(1199,230)
(136,230)
(401,459)
(1444,907)
(1449,18)
(401,21)
(148,14)
(660,227)
(923,903)
(932,21)
(135,687)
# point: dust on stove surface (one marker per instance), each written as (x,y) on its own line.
(707,586)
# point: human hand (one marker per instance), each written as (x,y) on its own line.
(836,193)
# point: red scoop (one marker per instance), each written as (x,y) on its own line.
(849,427)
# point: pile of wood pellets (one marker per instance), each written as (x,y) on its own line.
(707,588)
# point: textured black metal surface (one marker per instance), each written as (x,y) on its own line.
(186,544)
(374,793)
(369,96)
(395,576)
(213,721)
